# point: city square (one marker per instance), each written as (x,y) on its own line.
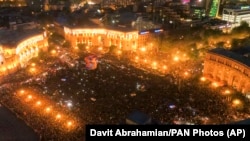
(66,64)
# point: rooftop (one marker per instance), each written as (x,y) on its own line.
(13,37)
(230,54)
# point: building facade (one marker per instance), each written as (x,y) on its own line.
(228,68)
(17,54)
(12,3)
(236,15)
(126,40)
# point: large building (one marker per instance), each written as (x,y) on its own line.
(12,3)
(125,39)
(236,15)
(228,68)
(18,47)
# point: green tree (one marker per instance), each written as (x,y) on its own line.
(240,43)
(236,44)
(66,44)
(243,28)
(112,49)
(220,44)
(56,39)
(82,46)
(212,33)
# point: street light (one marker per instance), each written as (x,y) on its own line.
(48,109)
(203,79)
(176,58)
(58,116)
(38,103)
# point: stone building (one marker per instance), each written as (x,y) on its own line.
(18,47)
(125,39)
(228,68)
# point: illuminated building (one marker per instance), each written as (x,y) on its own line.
(228,68)
(207,7)
(236,15)
(12,3)
(214,9)
(46,5)
(116,2)
(37,5)
(124,39)
(18,48)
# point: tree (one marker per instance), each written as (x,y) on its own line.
(235,44)
(243,28)
(112,49)
(76,1)
(211,33)
(240,43)
(82,46)
(220,44)
(66,44)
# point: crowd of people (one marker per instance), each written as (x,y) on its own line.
(109,93)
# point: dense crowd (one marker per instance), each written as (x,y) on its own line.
(108,94)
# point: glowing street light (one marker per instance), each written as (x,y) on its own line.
(227,92)
(136,58)
(33,64)
(143,49)
(154,65)
(76,48)
(21,92)
(32,70)
(100,48)
(69,123)
(87,48)
(236,102)
(176,58)
(48,109)
(185,73)
(215,84)
(29,96)
(38,103)
(58,116)
(53,52)
(203,79)
(119,52)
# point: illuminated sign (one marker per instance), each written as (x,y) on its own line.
(143,32)
(244,7)
(214,8)
(158,30)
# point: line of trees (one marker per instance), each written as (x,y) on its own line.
(199,38)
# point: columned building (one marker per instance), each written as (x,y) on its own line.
(228,68)
(124,39)
(17,49)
